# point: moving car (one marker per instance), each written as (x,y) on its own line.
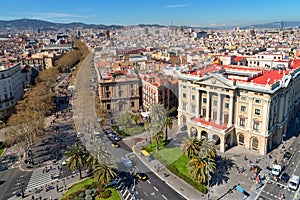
(141,176)
(116,145)
(115,138)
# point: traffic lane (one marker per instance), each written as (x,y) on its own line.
(272,191)
(154,187)
(155,183)
(10,182)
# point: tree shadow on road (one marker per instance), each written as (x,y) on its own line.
(222,173)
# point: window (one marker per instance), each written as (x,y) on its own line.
(243,98)
(106,88)
(120,93)
(258,100)
(184,95)
(226,105)
(193,109)
(184,106)
(241,139)
(183,86)
(256,125)
(131,86)
(243,108)
(242,121)
(108,106)
(194,89)
(204,100)
(257,111)
(215,103)
(193,97)
(132,104)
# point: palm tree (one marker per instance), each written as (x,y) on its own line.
(199,167)
(158,113)
(208,148)
(136,119)
(191,146)
(157,138)
(105,171)
(147,124)
(78,156)
(97,152)
(168,124)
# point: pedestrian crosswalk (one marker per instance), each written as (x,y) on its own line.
(126,193)
(40,178)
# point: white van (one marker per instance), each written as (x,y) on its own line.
(294,182)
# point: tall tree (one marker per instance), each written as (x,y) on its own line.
(157,134)
(105,171)
(158,114)
(97,153)
(78,156)
(168,124)
(191,146)
(208,148)
(147,124)
(136,118)
(200,167)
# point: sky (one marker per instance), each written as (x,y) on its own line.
(165,12)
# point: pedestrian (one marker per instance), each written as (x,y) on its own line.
(57,189)
(32,197)
(50,198)
(40,198)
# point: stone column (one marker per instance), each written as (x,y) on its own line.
(281,109)
(207,106)
(219,109)
(265,119)
(250,113)
(230,111)
(197,103)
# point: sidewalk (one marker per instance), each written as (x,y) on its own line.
(220,190)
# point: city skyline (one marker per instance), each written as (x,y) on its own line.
(167,12)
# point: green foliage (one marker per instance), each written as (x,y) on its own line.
(125,120)
(2,147)
(202,188)
(106,194)
(134,130)
(152,147)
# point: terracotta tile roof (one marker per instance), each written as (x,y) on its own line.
(238,58)
(210,123)
(272,75)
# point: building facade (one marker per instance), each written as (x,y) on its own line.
(159,88)
(119,93)
(256,109)
(11,88)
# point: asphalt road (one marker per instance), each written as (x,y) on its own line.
(10,182)
(86,123)
(272,189)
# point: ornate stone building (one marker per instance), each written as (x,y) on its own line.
(234,105)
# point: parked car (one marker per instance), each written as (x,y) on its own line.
(116,138)
(284,177)
(287,155)
(141,176)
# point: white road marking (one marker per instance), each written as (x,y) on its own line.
(146,194)
(148,181)
(155,188)
(124,193)
(127,196)
(164,197)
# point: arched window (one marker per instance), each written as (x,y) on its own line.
(254,143)
(241,139)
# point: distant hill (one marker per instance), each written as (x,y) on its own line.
(274,25)
(26,24)
(33,24)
